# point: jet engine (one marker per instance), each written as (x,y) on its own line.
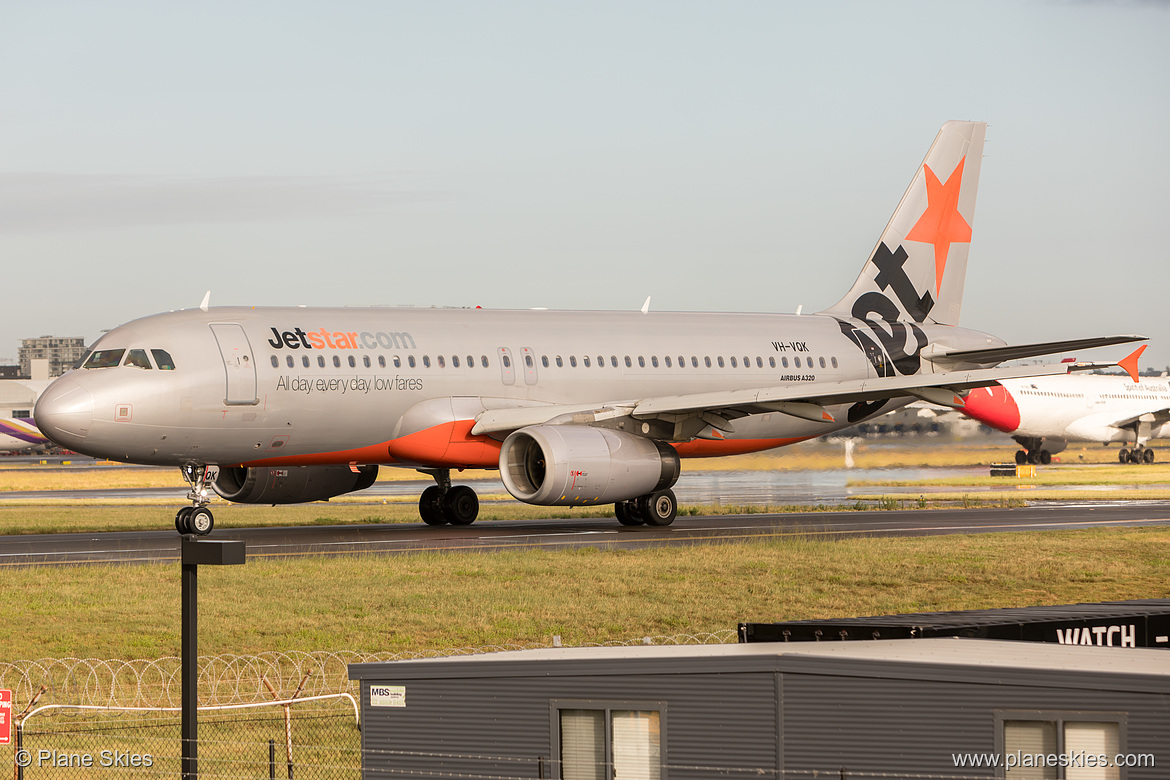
(574,465)
(291,484)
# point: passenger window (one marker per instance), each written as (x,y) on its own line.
(544,360)
(366,361)
(796,362)
(320,361)
(668,363)
(336,361)
(275,362)
(771,362)
(305,361)
(483,361)
(507,361)
(641,362)
(381,361)
(747,362)
(629,363)
(138,359)
(694,362)
(454,361)
(560,363)
(654,360)
(821,361)
(426,361)
(720,359)
(613,360)
(759,362)
(734,363)
(162,359)
(528,360)
(108,358)
(352,362)
(442,363)
(288,360)
(572,361)
(834,361)
(585,360)
(397,362)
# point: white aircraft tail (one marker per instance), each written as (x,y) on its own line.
(916,271)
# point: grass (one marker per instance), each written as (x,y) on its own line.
(428,601)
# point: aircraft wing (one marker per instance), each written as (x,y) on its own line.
(994,355)
(1156,415)
(807,401)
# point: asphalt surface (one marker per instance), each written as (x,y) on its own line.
(494,536)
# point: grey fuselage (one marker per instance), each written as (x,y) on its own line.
(311,386)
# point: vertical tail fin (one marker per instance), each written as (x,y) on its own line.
(917,270)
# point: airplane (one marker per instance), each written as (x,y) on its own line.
(1043,414)
(290,404)
(18,435)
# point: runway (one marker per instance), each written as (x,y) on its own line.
(495,536)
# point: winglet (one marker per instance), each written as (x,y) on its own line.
(646,305)
(1130,362)
(206,300)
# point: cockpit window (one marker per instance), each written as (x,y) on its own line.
(104,358)
(138,359)
(163,359)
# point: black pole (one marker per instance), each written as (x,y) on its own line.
(272,759)
(190,671)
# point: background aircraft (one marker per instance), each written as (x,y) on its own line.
(17,435)
(1045,414)
(284,405)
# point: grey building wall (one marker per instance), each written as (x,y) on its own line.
(899,707)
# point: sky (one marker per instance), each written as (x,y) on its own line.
(717,156)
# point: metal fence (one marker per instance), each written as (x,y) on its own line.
(81,718)
(314,738)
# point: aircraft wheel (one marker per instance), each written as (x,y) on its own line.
(1135,456)
(658,508)
(1123,455)
(1033,457)
(181,519)
(200,521)
(460,505)
(627,513)
(1147,455)
(1045,457)
(430,506)
(1021,457)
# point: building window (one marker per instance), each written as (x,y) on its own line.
(1033,738)
(609,742)
(21,414)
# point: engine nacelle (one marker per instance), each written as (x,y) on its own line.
(576,465)
(291,484)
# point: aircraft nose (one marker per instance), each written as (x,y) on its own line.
(64,412)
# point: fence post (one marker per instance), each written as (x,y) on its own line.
(20,729)
(272,759)
(287,717)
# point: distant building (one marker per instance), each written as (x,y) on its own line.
(10,372)
(62,352)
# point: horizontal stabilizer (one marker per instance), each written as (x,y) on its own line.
(994,355)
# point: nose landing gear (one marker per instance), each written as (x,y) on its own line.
(197,519)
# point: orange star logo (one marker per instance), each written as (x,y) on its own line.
(941,224)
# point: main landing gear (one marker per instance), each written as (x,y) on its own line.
(659,508)
(196,519)
(1043,457)
(1139,454)
(441,503)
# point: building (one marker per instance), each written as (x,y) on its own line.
(887,708)
(61,352)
